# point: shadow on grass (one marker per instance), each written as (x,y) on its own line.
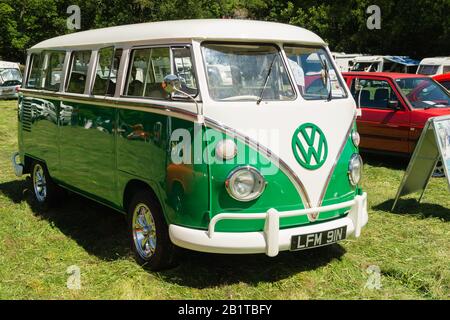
(98,229)
(102,232)
(385,160)
(204,270)
(413,207)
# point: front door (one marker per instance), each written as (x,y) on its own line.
(385,121)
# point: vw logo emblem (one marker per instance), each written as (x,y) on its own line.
(309,146)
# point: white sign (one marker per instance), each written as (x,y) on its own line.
(434,144)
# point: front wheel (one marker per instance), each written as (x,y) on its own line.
(149,233)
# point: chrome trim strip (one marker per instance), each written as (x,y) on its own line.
(116,103)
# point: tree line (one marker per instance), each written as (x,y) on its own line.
(418,28)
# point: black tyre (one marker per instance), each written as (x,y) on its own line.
(45,191)
(149,233)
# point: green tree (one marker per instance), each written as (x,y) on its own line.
(418,28)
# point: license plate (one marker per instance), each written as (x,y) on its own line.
(318,239)
(8,91)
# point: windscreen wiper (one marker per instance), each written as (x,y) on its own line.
(266,81)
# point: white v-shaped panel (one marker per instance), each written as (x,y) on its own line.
(281,120)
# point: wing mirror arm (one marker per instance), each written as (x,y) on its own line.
(172,84)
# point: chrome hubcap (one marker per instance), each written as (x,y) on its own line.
(39,183)
(144,231)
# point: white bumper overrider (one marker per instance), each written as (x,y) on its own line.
(18,167)
(272,239)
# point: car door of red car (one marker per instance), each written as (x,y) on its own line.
(385,121)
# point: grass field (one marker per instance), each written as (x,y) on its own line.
(411,248)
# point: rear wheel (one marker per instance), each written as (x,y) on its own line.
(149,233)
(44,189)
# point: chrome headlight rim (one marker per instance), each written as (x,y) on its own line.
(255,194)
(355,160)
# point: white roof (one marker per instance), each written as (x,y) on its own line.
(344,55)
(436,61)
(369,58)
(201,29)
(8,64)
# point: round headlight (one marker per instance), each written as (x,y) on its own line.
(226,149)
(245,184)
(356,138)
(355,169)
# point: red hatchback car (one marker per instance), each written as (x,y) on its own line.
(395,108)
(443,79)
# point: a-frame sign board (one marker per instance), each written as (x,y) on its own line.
(434,143)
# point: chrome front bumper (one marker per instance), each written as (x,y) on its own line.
(18,167)
(272,240)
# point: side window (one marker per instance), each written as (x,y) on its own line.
(373,94)
(148,67)
(446,85)
(35,71)
(79,65)
(106,71)
(446,69)
(53,73)
(182,64)
(147,71)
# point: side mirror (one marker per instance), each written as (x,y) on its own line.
(394,105)
(171,84)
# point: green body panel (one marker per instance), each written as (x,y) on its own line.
(339,188)
(280,193)
(42,140)
(98,150)
(87,149)
(143,153)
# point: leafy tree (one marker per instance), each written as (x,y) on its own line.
(418,28)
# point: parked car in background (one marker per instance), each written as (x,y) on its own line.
(344,61)
(395,108)
(10,79)
(443,79)
(434,66)
(400,64)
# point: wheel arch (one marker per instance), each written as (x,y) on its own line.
(135,185)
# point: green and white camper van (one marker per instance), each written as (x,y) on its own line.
(221,136)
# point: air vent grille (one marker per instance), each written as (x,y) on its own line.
(26,116)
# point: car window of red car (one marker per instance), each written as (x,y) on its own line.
(424,93)
(372,93)
(446,84)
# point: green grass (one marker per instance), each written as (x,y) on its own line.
(411,247)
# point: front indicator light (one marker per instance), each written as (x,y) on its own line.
(356,138)
(355,168)
(245,184)
(226,149)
